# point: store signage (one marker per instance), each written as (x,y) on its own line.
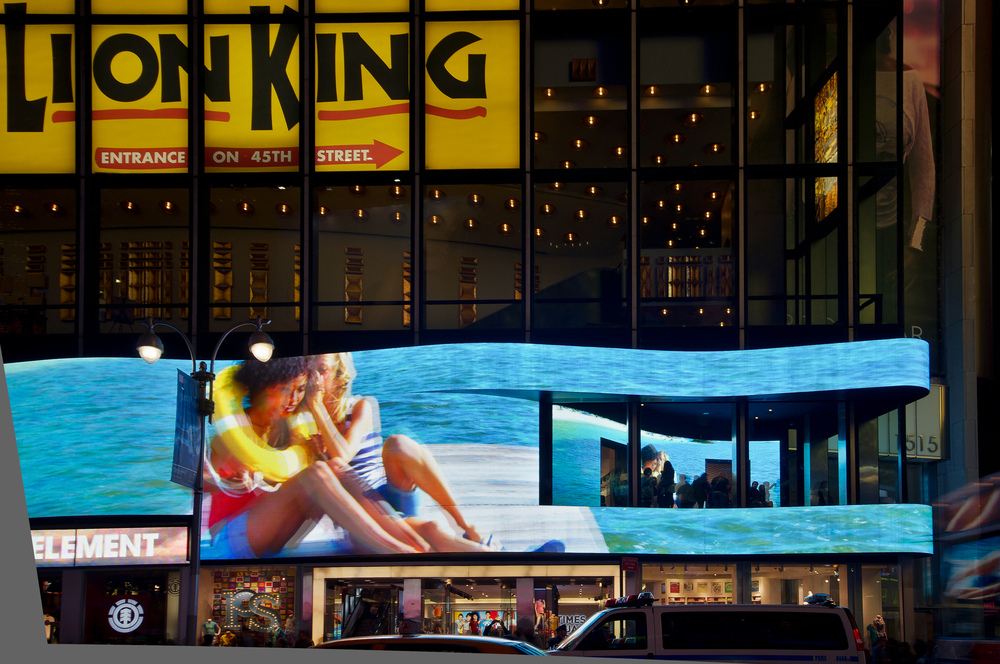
(110,546)
(630,564)
(125,616)
(259,608)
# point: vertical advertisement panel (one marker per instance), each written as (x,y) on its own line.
(469,5)
(140,99)
(132,7)
(366,6)
(37,110)
(252,97)
(243,6)
(473,100)
(362,96)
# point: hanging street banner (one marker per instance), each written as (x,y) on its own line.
(140,96)
(473,101)
(362,96)
(37,96)
(252,95)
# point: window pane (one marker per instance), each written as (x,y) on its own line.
(473,259)
(256,257)
(38,259)
(363,248)
(792,87)
(580,248)
(590,455)
(145,259)
(686,274)
(581,90)
(806,266)
(686,111)
(694,440)
(795,454)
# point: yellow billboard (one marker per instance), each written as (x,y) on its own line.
(252,97)
(37,93)
(473,103)
(133,7)
(139,116)
(38,7)
(244,6)
(469,5)
(356,6)
(362,96)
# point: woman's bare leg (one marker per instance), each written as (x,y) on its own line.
(277,516)
(442,541)
(395,527)
(408,464)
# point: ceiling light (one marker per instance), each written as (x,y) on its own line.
(693,119)
(591,120)
(358,190)
(397,192)
(512,204)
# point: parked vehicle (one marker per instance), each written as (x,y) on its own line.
(758,633)
(435,643)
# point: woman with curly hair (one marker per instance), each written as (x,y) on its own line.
(267,478)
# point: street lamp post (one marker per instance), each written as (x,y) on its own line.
(150,349)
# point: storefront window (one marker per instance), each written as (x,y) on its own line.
(255,606)
(50,588)
(688,583)
(879,611)
(130,608)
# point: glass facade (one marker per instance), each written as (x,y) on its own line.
(642,174)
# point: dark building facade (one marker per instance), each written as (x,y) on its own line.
(632,175)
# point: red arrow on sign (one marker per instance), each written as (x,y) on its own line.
(377,153)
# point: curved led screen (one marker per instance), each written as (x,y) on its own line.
(461,422)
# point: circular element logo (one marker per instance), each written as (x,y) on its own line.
(125,616)
(174,586)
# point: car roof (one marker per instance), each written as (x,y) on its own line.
(483,643)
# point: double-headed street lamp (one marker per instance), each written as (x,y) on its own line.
(150,349)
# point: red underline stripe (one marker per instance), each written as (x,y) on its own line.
(141,114)
(456,113)
(392,109)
